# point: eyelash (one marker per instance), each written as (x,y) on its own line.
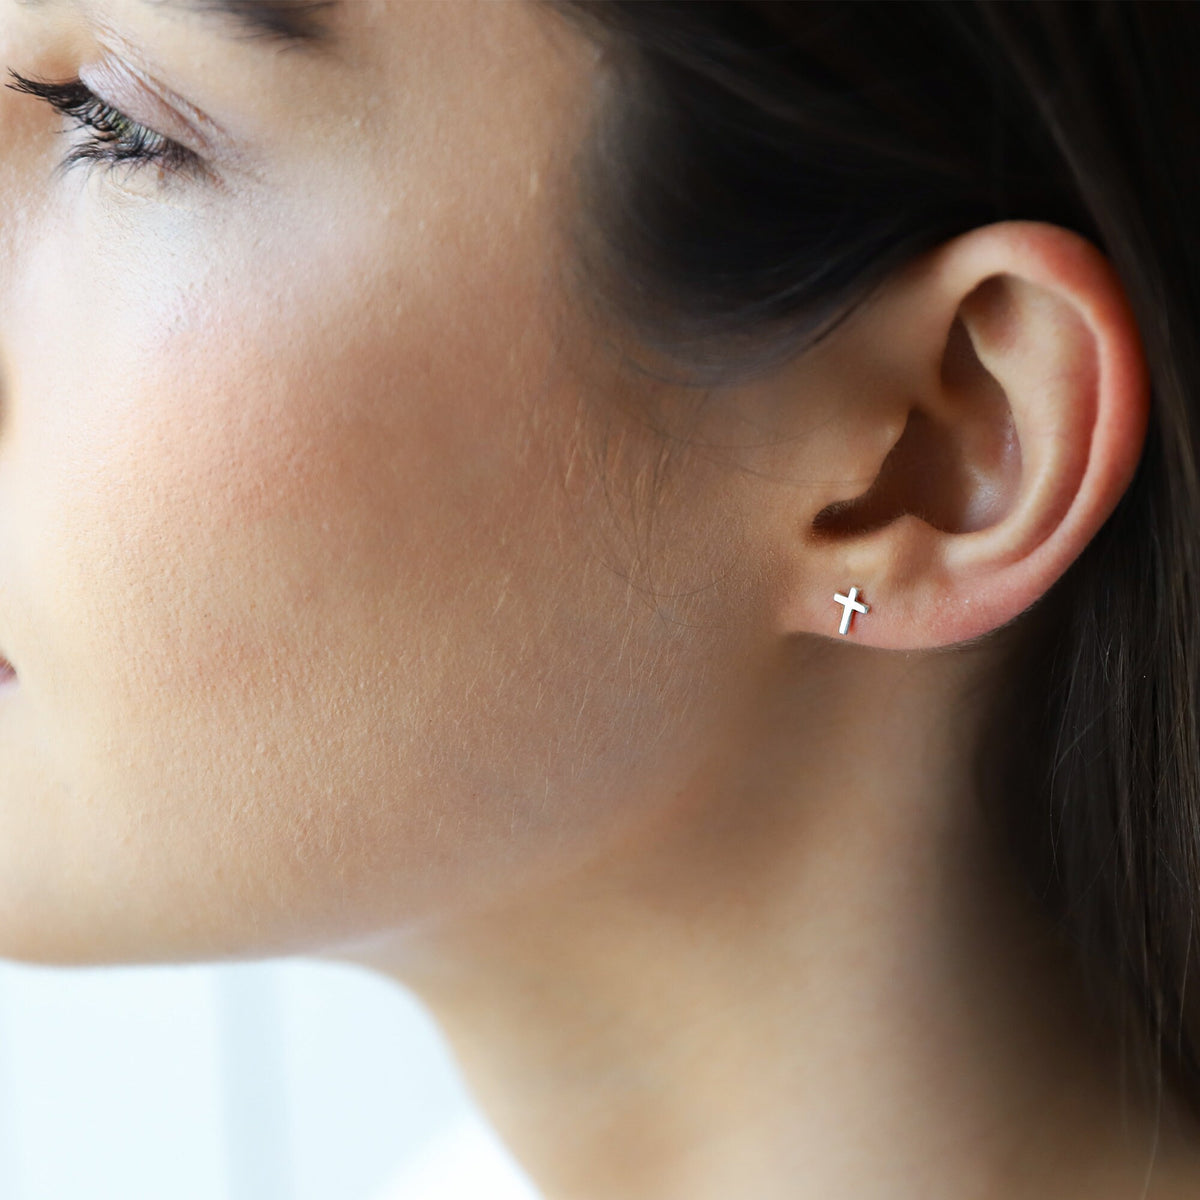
(113,137)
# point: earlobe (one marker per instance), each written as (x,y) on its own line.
(1015,450)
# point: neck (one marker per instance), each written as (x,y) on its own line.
(813,975)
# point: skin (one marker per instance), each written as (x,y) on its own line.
(355,613)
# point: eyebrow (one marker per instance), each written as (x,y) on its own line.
(290,24)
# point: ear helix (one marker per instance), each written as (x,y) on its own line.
(850,605)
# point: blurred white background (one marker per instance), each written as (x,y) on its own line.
(282,1080)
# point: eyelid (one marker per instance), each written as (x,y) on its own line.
(145,100)
(135,91)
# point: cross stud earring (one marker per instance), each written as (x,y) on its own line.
(850,605)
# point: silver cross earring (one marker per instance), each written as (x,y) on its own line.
(849,607)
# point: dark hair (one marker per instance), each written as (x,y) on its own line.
(758,168)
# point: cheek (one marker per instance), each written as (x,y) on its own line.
(238,451)
(319,632)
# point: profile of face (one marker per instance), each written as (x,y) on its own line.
(355,580)
(332,578)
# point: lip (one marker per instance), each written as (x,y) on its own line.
(8,676)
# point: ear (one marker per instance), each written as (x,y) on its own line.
(979,419)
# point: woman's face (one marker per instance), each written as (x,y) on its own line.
(328,565)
